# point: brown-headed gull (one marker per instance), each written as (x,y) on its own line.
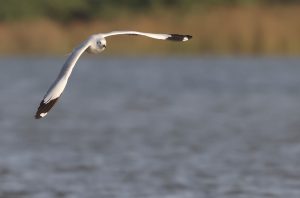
(94,44)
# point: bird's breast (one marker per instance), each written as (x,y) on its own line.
(93,50)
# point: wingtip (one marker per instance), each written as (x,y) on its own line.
(179,37)
(41,115)
(187,37)
(44,108)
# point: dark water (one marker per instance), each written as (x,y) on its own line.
(152,128)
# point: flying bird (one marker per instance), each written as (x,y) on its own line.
(94,44)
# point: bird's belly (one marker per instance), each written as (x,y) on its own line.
(92,50)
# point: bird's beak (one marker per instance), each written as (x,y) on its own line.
(104,46)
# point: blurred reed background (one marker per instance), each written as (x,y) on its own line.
(221,27)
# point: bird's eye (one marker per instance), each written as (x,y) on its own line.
(98,42)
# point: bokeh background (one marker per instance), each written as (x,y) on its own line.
(247,27)
(215,117)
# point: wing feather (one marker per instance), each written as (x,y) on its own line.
(44,108)
(171,37)
(60,83)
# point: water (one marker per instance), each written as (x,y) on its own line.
(152,128)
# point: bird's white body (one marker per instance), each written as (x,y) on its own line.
(94,44)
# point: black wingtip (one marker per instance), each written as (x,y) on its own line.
(179,37)
(44,108)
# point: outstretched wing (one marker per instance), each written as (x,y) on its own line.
(60,83)
(171,37)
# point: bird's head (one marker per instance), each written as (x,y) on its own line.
(97,44)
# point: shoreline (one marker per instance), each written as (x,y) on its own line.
(231,30)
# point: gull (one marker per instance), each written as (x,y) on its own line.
(95,44)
